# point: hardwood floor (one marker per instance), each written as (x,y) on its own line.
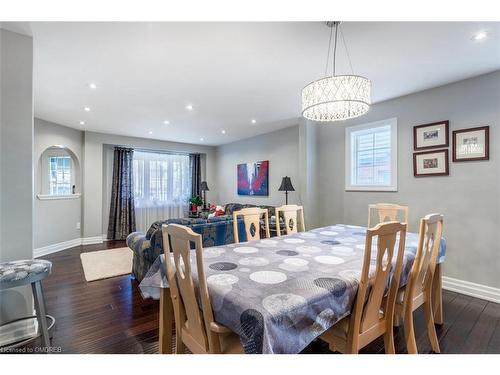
(110,316)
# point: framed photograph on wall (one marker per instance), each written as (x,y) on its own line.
(434,135)
(430,163)
(471,144)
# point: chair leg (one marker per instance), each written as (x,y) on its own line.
(41,312)
(437,295)
(411,344)
(431,329)
(180,348)
(351,346)
(389,342)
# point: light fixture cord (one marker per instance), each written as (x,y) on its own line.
(335,47)
(346,50)
(329,48)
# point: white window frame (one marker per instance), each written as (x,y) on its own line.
(147,200)
(393,123)
(45,175)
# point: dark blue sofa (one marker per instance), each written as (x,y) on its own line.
(147,247)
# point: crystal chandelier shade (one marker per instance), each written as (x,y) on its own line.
(337,97)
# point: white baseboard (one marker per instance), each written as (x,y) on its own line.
(485,292)
(41,251)
(92,240)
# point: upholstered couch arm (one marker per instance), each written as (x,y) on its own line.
(144,254)
(138,243)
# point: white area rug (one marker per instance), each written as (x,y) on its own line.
(103,264)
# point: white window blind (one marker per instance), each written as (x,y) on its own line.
(161,179)
(371,162)
(60,175)
(162,187)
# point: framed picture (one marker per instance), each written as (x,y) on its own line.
(430,163)
(471,144)
(434,135)
(253,178)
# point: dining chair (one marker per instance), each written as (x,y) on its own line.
(251,219)
(195,326)
(293,216)
(387,212)
(418,290)
(372,314)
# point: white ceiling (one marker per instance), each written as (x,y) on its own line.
(232,72)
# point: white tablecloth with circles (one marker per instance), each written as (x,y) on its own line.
(279,294)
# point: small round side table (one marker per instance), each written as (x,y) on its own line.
(25,272)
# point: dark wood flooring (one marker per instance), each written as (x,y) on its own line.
(110,316)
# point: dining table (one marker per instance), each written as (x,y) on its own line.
(279,294)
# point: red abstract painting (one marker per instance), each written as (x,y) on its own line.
(253,178)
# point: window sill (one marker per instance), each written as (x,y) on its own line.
(47,197)
(371,188)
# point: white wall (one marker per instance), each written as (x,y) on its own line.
(55,221)
(281,148)
(469,197)
(16,159)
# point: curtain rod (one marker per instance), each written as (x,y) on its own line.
(153,151)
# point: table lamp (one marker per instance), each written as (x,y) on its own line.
(204,188)
(286,186)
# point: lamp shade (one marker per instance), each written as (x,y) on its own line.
(204,186)
(286,184)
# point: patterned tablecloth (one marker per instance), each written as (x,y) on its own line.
(280,294)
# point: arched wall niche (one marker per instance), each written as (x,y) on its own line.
(58,160)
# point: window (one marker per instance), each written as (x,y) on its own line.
(161,179)
(371,156)
(60,175)
(57,174)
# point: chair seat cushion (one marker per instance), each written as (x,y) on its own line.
(19,270)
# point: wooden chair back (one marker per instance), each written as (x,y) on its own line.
(192,323)
(426,257)
(251,218)
(387,212)
(293,216)
(419,289)
(367,322)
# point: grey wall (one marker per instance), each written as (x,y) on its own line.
(16,158)
(281,148)
(308,172)
(55,220)
(469,198)
(96,173)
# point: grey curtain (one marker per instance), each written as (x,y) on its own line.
(195,166)
(122,211)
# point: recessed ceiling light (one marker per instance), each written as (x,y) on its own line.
(189,107)
(254,121)
(86,109)
(82,122)
(93,86)
(481,35)
(150,132)
(223,132)
(201,139)
(166,122)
